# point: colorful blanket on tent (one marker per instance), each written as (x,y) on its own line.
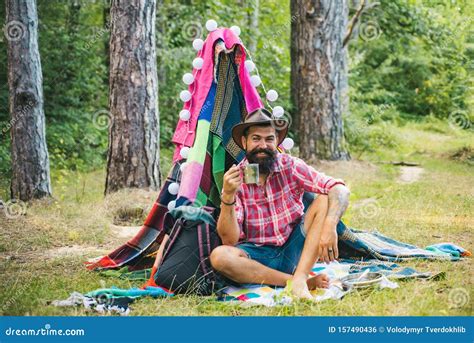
(222,95)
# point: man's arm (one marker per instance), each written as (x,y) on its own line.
(338,200)
(227,224)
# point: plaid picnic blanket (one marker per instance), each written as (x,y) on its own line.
(272,296)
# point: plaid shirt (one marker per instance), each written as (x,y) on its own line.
(267,214)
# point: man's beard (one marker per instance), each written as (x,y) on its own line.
(264,163)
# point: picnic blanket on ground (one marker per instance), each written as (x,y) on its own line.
(111,300)
(359,245)
(116,300)
(272,296)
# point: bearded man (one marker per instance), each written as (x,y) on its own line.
(275,231)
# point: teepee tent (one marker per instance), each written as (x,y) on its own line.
(221,92)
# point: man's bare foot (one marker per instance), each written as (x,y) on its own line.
(318,281)
(299,288)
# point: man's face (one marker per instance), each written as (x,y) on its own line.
(261,147)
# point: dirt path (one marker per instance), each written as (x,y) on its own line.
(410,174)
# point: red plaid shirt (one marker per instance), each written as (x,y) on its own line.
(267,214)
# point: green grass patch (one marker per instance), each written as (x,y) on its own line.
(43,252)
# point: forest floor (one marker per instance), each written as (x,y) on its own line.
(42,252)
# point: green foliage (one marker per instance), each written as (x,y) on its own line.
(413,57)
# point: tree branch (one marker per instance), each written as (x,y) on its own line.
(352,23)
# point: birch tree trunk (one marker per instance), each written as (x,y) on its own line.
(317,61)
(29,153)
(133,154)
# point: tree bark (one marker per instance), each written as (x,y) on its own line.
(133,154)
(30,160)
(317,61)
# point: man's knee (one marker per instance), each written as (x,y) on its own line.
(221,256)
(319,205)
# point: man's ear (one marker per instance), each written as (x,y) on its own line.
(244,142)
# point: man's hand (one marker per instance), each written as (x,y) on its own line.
(338,202)
(328,244)
(232,182)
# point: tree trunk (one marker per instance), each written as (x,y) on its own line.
(30,161)
(133,154)
(106,23)
(317,61)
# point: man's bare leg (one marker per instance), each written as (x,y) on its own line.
(313,225)
(235,264)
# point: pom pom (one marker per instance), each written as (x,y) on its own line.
(173,188)
(184,115)
(171,205)
(278,111)
(211,25)
(185,95)
(184,152)
(183,166)
(235,29)
(255,80)
(288,143)
(250,66)
(272,95)
(198,43)
(188,78)
(198,62)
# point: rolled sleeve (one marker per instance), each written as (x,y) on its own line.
(311,180)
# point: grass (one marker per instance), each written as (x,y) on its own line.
(42,252)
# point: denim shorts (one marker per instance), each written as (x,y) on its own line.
(284,258)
